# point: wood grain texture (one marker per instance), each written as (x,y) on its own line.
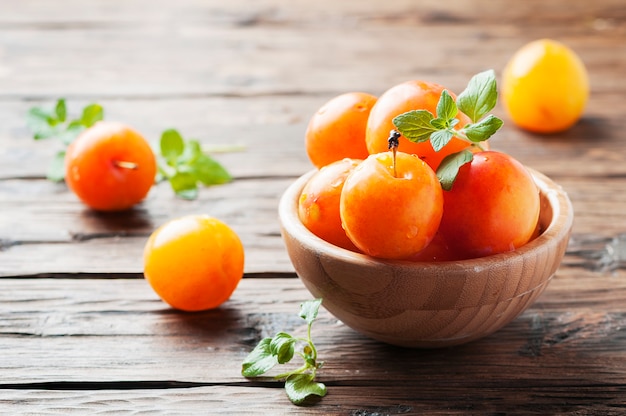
(89,341)
(82,333)
(69,238)
(272,48)
(353,401)
(271,132)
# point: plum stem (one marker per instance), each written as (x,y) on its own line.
(126,165)
(394,142)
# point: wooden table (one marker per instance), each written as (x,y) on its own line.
(81,332)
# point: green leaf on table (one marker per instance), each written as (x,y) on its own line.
(260,360)
(56,169)
(41,123)
(209,171)
(72,131)
(415,125)
(184,184)
(301,386)
(172,144)
(55,124)
(61,110)
(484,129)
(309,310)
(480,96)
(91,115)
(299,383)
(193,149)
(283,347)
(449,167)
(184,164)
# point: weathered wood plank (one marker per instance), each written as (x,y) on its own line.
(239,12)
(342,400)
(252,74)
(94,324)
(561,355)
(271,132)
(69,238)
(250,204)
(272,49)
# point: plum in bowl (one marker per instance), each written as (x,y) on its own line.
(428,304)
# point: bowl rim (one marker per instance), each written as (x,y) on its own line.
(557,230)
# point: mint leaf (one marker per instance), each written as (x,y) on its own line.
(446,107)
(70,133)
(172,144)
(260,360)
(283,347)
(484,129)
(41,123)
(184,164)
(301,386)
(188,194)
(75,125)
(165,171)
(184,184)
(61,110)
(480,96)
(415,125)
(299,383)
(440,138)
(439,123)
(209,171)
(475,101)
(56,170)
(193,149)
(46,124)
(91,115)
(54,123)
(309,310)
(449,167)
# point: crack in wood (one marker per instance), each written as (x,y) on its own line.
(604,254)
(383,411)
(6,244)
(78,276)
(133,385)
(541,328)
(80,237)
(235,177)
(550,331)
(135,275)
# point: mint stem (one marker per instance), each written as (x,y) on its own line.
(461,135)
(313,349)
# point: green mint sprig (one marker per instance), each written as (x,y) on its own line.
(185,164)
(479,98)
(45,123)
(299,383)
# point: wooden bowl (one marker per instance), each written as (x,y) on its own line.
(427,305)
